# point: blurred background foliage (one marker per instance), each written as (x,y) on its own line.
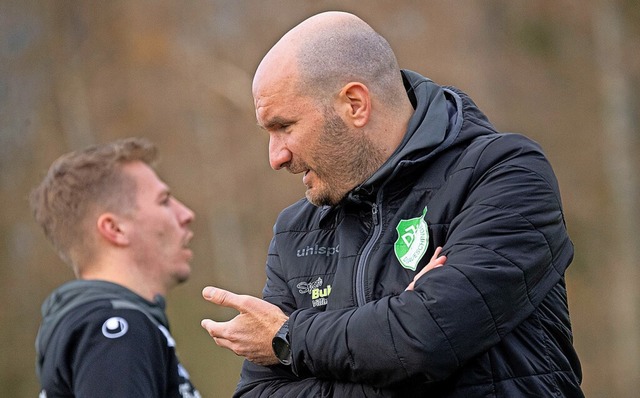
(73,72)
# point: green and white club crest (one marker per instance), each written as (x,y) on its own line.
(412,242)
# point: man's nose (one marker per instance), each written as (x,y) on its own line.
(186,215)
(279,154)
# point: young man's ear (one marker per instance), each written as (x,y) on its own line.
(110,227)
(355,103)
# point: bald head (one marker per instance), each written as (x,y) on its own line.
(329,50)
(331,96)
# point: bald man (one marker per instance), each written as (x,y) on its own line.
(359,302)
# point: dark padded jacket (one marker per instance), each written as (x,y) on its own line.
(492,322)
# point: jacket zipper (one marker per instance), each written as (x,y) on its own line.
(361,296)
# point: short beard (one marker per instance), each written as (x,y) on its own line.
(344,160)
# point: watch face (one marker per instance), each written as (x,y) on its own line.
(282,350)
(280,344)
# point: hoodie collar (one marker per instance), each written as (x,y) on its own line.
(76,293)
(427,130)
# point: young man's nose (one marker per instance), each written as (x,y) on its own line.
(185,214)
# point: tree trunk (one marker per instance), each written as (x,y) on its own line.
(617,118)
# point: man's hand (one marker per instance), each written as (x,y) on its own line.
(249,334)
(435,262)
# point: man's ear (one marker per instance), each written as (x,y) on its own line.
(110,227)
(355,102)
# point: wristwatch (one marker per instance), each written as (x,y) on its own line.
(281,345)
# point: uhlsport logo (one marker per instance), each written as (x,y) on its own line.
(318,251)
(114,327)
(412,242)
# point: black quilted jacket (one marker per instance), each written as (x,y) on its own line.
(492,322)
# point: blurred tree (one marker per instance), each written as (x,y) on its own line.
(619,136)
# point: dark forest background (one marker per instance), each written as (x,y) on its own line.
(73,73)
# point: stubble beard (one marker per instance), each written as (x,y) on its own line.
(343,161)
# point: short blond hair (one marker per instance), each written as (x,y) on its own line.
(82,181)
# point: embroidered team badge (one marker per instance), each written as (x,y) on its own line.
(412,242)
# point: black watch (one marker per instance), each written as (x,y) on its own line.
(281,345)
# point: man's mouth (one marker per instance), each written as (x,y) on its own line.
(305,177)
(187,240)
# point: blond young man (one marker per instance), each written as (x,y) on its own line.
(112,219)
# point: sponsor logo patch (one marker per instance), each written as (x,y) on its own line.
(318,294)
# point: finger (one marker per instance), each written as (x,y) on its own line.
(208,292)
(436,253)
(206,324)
(434,263)
(215,331)
(422,272)
(221,342)
(222,297)
(212,327)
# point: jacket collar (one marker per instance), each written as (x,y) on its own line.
(427,130)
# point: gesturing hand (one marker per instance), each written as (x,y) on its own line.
(249,334)
(435,262)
